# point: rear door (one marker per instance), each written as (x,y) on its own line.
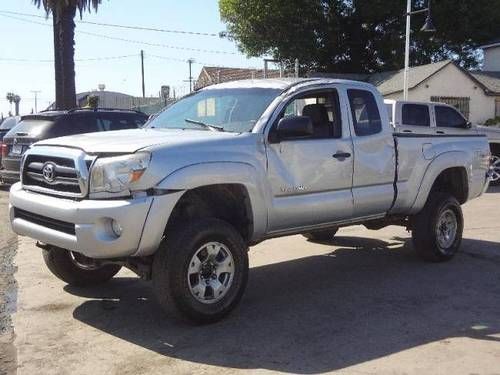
(78,123)
(311,176)
(374,155)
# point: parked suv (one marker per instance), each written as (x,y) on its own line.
(52,124)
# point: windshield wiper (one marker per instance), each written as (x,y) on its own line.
(211,127)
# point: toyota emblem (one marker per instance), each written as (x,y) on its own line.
(49,172)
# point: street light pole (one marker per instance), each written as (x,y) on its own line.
(428,27)
(36,92)
(407,50)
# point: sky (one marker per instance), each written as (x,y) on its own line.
(27,44)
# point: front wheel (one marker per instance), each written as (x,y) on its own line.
(76,269)
(437,229)
(495,170)
(200,270)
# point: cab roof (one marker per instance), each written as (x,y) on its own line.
(284,83)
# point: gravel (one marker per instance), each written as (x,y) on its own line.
(8,289)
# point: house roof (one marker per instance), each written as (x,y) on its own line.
(215,74)
(490,80)
(392,81)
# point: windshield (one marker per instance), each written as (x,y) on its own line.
(8,123)
(232,110)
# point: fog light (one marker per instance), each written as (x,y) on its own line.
(117,228)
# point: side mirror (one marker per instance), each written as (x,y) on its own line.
(468,125)
(295,127)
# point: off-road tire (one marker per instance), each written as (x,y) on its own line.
(170,270)
(60,263)
(321,235)
(425,224)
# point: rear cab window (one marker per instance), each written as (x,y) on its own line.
(415,115)
(365,114)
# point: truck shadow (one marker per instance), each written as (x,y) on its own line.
(363,301)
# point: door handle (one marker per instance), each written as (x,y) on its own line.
(341,155)
(439,132)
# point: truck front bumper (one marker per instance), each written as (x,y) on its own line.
(86,226)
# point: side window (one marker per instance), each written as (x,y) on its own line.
(79,124)
(322,108)
(447,117)
(365,112)
(117,122)
(415,114)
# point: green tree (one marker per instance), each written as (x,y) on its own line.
(359,36)
(63,14)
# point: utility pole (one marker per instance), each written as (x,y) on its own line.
(190,62)
(36,92)
(428,27)
(142,74)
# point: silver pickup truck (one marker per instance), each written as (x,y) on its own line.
(181,201)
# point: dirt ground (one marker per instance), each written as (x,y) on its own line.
(8,246)
(364,304)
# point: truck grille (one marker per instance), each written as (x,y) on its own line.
(52,174)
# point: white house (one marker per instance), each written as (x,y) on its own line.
(475,93)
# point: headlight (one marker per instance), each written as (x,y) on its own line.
(118,174)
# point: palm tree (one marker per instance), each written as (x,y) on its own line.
(10,97)
(63,14)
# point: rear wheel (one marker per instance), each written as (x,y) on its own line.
(76,269)
(437,229)
(200,271)
(321,235)
(495,170)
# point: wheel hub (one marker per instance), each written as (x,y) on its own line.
(446,230)
(495,168)
(210,272)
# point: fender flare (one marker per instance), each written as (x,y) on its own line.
(214,173)
(447,160)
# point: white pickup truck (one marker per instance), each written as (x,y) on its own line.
(440,118)
(181,200)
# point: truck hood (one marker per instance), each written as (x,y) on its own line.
(128,141)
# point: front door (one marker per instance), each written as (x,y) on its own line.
(311,176)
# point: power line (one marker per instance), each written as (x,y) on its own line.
(122,26)
(76,60)
(128,40)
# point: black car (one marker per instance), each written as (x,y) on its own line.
(52,124)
